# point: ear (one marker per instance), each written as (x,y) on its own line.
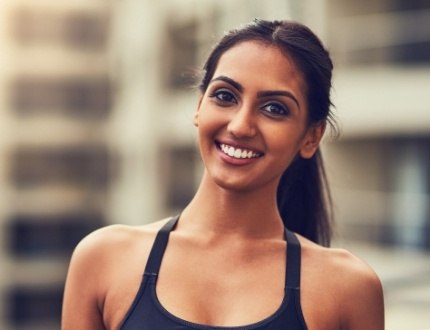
(196,119)
(196,114)
(312,139)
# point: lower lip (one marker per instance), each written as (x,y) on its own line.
(236,161)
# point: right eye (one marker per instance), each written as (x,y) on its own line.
(223,97)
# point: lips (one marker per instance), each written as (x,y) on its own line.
(238,152)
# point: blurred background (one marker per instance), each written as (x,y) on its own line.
(95,128)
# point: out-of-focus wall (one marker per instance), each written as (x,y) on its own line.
(380,165)
(56,96)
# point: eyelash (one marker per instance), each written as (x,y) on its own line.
(220,94)
(281,111)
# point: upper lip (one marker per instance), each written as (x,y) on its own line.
(237,145)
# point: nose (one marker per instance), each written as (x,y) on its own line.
(242,124)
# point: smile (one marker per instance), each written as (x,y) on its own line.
(238,153)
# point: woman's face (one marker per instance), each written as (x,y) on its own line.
(252,118)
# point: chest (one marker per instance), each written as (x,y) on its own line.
(228,287)
(203,286)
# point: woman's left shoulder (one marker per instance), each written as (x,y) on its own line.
(349,280)
(341,262)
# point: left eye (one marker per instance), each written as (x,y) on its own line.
(275,110)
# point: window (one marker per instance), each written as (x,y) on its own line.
(180,53)
(85,97)
(51,235)
(34,304)
(372,32)
(73,29)
(71,165)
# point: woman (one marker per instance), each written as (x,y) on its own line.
(230,262)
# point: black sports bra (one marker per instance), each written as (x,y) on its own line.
(147,312)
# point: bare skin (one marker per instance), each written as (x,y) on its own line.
(338,290)
(228,248)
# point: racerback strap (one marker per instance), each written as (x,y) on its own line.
(292,280)
(159,246)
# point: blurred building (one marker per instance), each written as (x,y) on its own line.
(55,160)
(96,124)
(380,167)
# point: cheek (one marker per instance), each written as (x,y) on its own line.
(284,143)
(210,122)
(207,130)
(283,137)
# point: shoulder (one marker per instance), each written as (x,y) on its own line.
(112,237)
(103,244)
(105,264)
(109,238)
(361,291)
(351,273)
(339,262)
(349,281)
(101,252)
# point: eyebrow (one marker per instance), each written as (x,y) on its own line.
(230,81)
(279,93)
(240,88)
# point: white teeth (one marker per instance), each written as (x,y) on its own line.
(238,152)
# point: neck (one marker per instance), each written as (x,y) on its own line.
(224,212)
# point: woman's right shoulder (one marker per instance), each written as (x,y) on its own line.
(117,239)
(108,258)
(101,253)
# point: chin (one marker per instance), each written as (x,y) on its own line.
(244,186)
(234,185)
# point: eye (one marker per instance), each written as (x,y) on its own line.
(275,109)
(223,96)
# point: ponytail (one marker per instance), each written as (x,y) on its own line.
(304,200)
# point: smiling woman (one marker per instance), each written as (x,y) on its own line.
(265,117)
(244,253)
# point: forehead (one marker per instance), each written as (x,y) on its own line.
(261,64)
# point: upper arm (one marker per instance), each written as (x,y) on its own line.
(363,303)
(83,293)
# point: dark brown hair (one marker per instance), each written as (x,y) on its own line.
(303,196)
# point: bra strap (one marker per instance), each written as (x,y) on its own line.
(159,246)
(292,280)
